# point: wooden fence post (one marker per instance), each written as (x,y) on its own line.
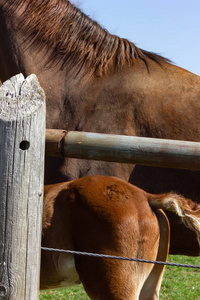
(22,142)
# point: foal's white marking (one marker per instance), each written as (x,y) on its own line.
(65,266)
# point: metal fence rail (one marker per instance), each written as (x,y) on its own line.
(123,149)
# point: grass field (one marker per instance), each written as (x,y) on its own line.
(178,283)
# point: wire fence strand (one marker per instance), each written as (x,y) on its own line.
(121,258)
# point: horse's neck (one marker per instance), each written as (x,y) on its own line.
(11,54)
(17,57)
(70,95)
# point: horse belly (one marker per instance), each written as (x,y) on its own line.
(67,271)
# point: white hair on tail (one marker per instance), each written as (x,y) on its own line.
(195,225)
(186,209)
(171,203)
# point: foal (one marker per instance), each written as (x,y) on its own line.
(106,215)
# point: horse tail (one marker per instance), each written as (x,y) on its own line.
(188,210)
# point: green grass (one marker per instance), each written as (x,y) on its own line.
(72,293)
(178,284)
(181,283)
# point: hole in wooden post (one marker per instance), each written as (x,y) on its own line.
(3,290)
(24,145)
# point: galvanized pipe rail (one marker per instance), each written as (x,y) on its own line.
(123,149)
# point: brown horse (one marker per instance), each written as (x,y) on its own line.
(106,215)
(95,81)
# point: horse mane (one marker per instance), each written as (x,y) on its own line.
(73,40)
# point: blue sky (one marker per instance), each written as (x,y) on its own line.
(170,28)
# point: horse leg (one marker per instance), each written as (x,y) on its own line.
(120,280)
(108,279)
(151,288)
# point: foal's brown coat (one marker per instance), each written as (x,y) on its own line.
(107,215)
(98,82)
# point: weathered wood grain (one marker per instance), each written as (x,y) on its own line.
(22,142)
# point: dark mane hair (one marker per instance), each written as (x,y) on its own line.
(72,39)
